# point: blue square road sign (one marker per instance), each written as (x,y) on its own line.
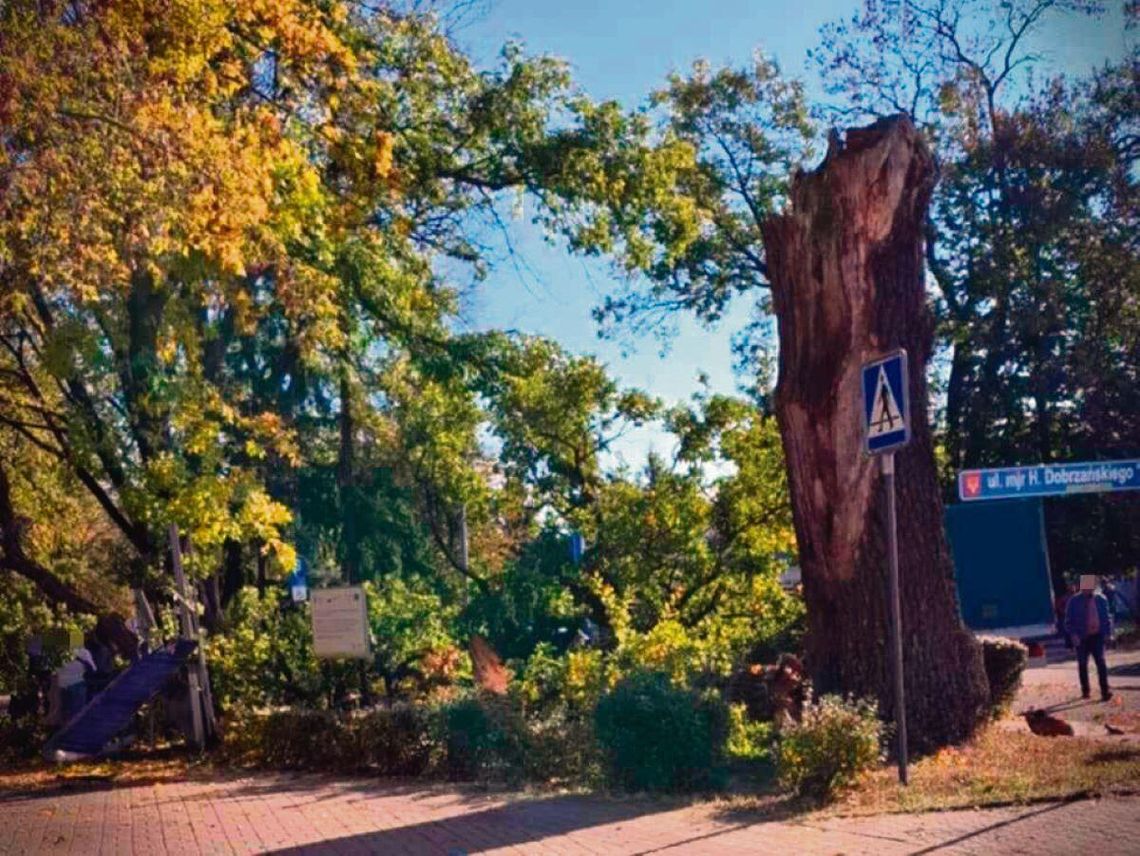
(886,403)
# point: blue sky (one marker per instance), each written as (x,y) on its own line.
(623,49)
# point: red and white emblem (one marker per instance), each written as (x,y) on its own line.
(971,484)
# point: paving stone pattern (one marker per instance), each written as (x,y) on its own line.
(325,816)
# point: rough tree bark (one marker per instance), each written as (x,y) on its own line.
(846,266)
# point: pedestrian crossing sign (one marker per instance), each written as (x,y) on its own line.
(886,405)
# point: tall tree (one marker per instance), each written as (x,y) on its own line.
(846,266)
(222,231)
(681,563)
(143,194)
(1030,239)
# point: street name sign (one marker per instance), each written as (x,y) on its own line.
(886,404)
(1048,480)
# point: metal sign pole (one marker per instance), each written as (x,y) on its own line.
(888,460)
(886,427)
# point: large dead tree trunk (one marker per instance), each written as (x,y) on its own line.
(846,266)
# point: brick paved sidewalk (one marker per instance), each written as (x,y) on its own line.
(309,814)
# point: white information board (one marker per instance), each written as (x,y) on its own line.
(340,622)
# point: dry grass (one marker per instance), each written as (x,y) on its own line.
(1000,767)
(136,769)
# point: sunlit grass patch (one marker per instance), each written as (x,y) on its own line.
(1000,767)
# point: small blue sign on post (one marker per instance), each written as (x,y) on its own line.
(299,580)
(886,403)
(577,547)
(1049,480)
(886,427)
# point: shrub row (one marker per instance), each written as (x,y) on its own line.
(396,741)
(478,737)
(402,740)
(644,735)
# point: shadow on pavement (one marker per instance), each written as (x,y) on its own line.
(241,784)
(773,808)
(76,785)
(1071,704)
(954,842)
(134,768)
(312,788)
(66,785)
(513,825)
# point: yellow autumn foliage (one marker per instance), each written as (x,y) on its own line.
(144,149)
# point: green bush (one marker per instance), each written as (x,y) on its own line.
(561,747)
(569,684)
(396,741)
(1005,660)
(299,739)
(748,739)
(835,742)
(472,738)
(484,738)
(20,739)
(263,656)
(656,737)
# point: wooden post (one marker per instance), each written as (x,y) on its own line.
(144,618)
(211,723)
(197,675)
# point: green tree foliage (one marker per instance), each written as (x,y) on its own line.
(264,656)
(748,129)
(222,229)
(557,415)
(58,526)
(233,237)
(411,629)
(1032,229)
(681,567)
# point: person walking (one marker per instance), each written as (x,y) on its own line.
(1088,624)
(1060,606)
